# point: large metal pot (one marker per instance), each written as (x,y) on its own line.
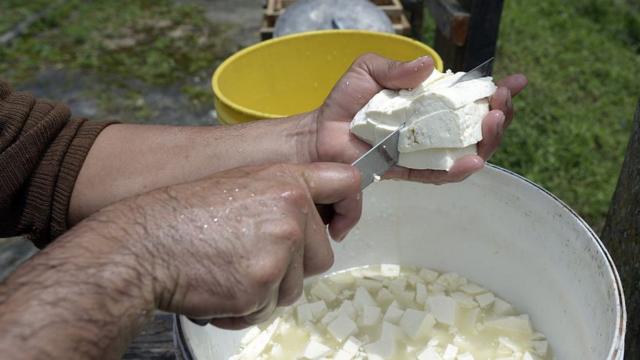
(497,229)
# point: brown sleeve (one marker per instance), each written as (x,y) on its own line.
(41,153)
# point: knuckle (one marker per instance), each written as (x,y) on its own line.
(289,231)
(295,196)
(365,59)
(270,270)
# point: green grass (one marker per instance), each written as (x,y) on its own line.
(157,42)
(573,121)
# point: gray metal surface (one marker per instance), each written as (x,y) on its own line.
(375,162)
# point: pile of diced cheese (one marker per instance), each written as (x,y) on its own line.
(393,312)
(443,119)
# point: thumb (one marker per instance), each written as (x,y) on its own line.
(337,184)
(395,75)
(330,183)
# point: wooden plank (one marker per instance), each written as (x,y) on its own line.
(482,36)
(481,33)
(415,10)
(451,19)
(621,235)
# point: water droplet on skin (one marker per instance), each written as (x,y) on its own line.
(236,190)
(205,226)
(347,84)
(224,191)
(230,198)
(253,195)
(215,220)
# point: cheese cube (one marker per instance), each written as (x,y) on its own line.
(255,347)
(450,352)
(421,294)
(393,313)
(416,324)
(385,347)
(370,315)
(384,297)
(277,351)
(484,300)
(369,284)
(501,307)
(316,350)
(452,281)
(428,275)
(472,289)
(318,309)
(464,300)
(512,324)
(362,298)
(352,345)
(390,270)
(323,292)
(429,354)
(397,286)
(342,327)
(329,317)
(253,332)
(466,319)
(505,342)
(540,347)
(529,356)
(343,355)
(347,308)
(303,313)
(465,356)
(443,308)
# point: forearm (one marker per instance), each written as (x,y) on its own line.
(131,159)
(78,298)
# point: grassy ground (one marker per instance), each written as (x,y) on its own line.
(155,42)
(572,125)
(573,121)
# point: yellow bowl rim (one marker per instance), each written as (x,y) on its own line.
(261,115)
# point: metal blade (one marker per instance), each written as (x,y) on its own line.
(477,72)
(375,162)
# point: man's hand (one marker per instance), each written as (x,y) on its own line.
(370,74)
(236,245)
(230,247)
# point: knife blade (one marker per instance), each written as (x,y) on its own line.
(380,158)
(477,72)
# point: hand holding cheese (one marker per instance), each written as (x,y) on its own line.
(443,120)
(371,74)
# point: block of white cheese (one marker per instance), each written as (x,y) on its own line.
(442,122)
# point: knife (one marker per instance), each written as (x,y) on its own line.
(477,72)
(380,158)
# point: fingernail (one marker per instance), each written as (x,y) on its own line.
(420,62)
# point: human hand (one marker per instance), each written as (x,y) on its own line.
(371,73)
(234,246)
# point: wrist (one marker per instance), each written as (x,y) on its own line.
(101,246)
(305,134)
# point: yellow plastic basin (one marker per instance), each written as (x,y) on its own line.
(294,74)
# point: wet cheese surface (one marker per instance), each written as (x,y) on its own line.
(393,312)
